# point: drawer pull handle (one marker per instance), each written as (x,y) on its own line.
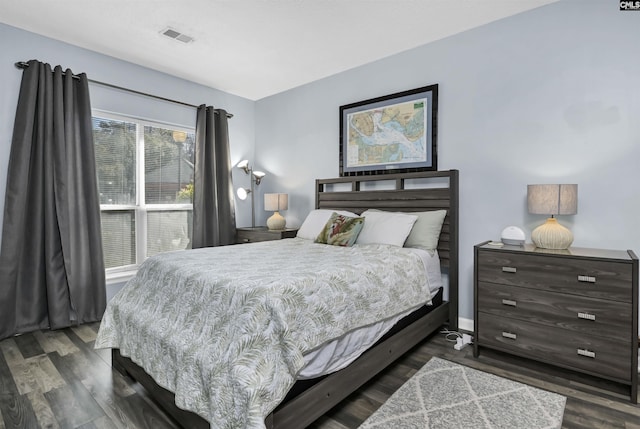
(509,335)
(586,279)
(509,269)
(509,302)
(587,353)
(587,316)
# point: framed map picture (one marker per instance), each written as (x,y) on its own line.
(391,134)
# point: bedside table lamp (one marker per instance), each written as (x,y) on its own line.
(275,203)
(552,200)
(256,177)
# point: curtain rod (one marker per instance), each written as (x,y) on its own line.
(23,65)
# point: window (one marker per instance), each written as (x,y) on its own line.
(145,181)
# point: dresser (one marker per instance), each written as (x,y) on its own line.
(575,309)
(262,233)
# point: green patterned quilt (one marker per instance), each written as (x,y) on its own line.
(226,328)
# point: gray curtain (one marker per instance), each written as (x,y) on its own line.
(51,265)
(214,217)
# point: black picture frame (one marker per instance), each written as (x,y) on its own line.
(395,133)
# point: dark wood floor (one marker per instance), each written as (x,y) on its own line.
(55,379)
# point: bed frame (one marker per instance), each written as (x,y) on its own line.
(419,191)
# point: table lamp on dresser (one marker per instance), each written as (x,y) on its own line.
(552,200)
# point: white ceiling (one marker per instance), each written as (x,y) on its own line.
(254,48)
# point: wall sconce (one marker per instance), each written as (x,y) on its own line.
(256,177)
(552,200)
(275,203)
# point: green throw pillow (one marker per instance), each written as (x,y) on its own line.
(340,230)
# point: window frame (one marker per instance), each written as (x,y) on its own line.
(140,208)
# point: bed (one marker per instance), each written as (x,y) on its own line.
(306,400)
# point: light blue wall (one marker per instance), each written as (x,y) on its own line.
(548,96)
(17,45)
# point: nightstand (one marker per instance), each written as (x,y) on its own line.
(575,309)
(262,233)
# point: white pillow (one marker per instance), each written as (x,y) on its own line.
(382,227)
(315,222)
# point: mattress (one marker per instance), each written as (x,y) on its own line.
(340,352)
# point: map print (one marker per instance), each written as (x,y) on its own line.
(388,135)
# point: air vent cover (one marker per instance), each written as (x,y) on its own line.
(176,35)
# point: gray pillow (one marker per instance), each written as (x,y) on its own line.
(426,230)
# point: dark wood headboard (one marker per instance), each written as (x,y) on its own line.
(421,191)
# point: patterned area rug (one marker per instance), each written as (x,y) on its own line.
(447,395)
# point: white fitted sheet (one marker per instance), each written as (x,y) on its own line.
(340,352)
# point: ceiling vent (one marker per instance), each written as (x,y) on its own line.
(176,35)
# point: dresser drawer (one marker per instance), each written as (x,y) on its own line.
(598,279)
(596,355)
(585,315)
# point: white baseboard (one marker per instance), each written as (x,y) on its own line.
(465,324)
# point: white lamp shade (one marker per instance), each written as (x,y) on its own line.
(243,193)
(552,199)
(276,202)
